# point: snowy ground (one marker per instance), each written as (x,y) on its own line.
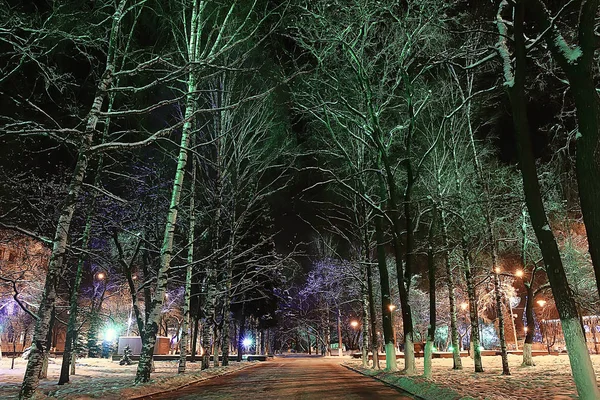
(105,379)
(549,379)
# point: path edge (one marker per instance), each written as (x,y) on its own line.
(425,390)
(202,379)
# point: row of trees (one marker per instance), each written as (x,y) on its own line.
(404,145)
(178,81)
(168,125)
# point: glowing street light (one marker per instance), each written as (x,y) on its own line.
(247,342)
(525,329)
(100,276)
(519,273)
(392,307)
(464,306)
(497,269)
(354,324)
(110,335)
(542,303)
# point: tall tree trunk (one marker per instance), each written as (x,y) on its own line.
(241,334)
(183,341)
(530,324)
(155,306)
(457,362)
(386,301)
(428,354)
(76,282)
(339,332)
(578,63)
(372,317)
(581,365)
(365,315)
(195,333)
(59,243)
(44,369)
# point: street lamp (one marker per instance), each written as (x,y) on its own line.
(354,324)
(464,306)
(100,276)
(519,273)
(541,302)
(497,270)
(392,307)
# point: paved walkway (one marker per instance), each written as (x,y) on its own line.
(294,378)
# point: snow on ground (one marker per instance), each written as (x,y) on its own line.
(103,378)
(550,379)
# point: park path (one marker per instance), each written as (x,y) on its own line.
(293,378)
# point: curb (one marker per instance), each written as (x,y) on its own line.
(382,381)
(426,390)
(191,383)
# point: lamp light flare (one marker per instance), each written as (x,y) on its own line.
(519,273)
(525,329)
(542,303)
(247,342)
(110,335)
(392,307)
(100,276)
(354,324)
(497,269)
(464,306)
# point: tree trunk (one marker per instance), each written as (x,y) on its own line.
(195,333)
(156,304)
(581,365)
(59,243)
(457,362)
(578,63)
(241,334)
(339,332)
(500,318)
(386,312)
(427,356)
(183,341)
(372,318)
(365,316)
(44,369)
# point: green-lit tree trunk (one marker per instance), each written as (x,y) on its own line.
(468,269)
(386,300)
(428,353)
(581,365)
(457,362)
(579,63)
(155,306)
(530,323)
(372,318)
(187,297)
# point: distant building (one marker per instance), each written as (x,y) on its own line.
(23,262)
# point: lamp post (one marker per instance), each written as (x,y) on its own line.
(339,329)
(392,308)
(354,325)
